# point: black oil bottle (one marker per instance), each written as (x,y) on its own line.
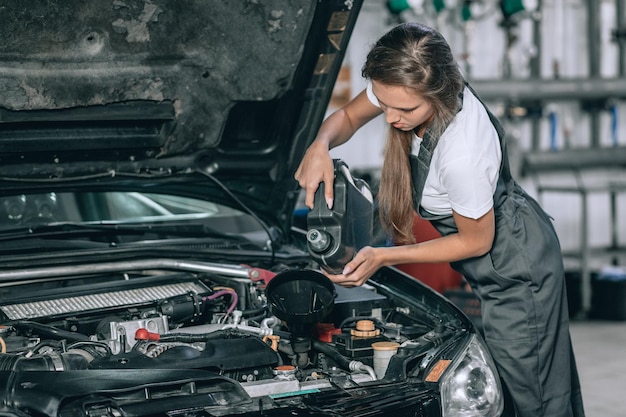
(335,235)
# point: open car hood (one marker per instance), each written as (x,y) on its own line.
(157,88)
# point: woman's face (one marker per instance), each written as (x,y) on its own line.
(404,109)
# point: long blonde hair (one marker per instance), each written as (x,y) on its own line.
(417,57)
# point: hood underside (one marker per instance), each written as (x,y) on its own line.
(152,88)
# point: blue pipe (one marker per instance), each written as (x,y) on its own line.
(553,126)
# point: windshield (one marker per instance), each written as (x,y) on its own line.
(118,208)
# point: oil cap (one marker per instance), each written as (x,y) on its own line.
(319,240)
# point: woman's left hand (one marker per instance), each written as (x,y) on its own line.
(360,269)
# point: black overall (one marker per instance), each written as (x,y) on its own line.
(521,286)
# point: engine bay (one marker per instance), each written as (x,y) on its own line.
(162,320)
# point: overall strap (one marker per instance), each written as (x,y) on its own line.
(420,165)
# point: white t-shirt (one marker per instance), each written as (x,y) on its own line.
(465,166)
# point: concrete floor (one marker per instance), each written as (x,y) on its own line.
(600,349)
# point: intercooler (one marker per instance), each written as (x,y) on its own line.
(99,301)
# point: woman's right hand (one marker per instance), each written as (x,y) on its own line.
(316,167)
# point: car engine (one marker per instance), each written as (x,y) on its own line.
(164,320)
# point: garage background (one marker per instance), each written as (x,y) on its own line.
(554,72)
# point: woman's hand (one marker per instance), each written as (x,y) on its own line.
(356,272)
(316,167)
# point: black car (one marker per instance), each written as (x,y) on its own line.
(148,261)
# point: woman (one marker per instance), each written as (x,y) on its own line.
(445,159)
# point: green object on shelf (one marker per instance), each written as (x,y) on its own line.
(397,6)
(510,7)
(439,5)
(466,12)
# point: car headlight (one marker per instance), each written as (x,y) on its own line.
(470,385)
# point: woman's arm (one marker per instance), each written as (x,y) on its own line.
(316,165)
(474,238)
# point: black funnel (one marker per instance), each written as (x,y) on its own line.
(300,297)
